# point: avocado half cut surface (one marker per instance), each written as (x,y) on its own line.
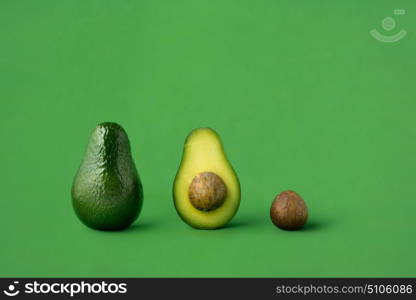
(107,193)
(206,190)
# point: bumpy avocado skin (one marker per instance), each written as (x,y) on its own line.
(107,193)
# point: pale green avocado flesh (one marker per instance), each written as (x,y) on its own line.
(203,153)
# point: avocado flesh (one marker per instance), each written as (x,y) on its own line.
(107,192)
(203,152)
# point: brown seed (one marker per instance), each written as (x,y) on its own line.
(289,211)
(207,191)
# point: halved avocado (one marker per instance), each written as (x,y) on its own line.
(206,190)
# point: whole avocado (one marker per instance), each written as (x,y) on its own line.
(107,193)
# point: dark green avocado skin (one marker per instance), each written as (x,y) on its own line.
(107,193)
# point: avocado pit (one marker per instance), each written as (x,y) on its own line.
(289,211)
(207,191)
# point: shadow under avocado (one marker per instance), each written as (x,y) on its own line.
(314,225)
(310,226)
(243,223)
(237,224)
(132,228)
(140,226)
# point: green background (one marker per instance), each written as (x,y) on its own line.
(302,95)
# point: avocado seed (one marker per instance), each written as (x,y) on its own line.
(207,191)
(289,211)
